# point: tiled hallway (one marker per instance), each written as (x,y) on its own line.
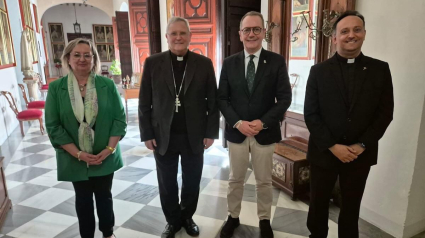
(44,207)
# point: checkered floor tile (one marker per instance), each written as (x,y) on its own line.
(44,207)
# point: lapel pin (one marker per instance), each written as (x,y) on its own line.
(364,68)
(265,61)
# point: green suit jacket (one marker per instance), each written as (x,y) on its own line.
(62,128)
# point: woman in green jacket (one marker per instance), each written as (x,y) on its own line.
(85,119)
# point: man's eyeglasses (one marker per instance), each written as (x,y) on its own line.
(255,30)
(86,56)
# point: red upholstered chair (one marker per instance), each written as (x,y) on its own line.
(43,87)
(25,115)
(33,104)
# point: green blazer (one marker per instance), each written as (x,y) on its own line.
(62,128)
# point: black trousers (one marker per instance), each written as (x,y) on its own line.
(322,181)
(101,187)
(167,169)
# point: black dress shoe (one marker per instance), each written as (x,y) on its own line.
(170,231)
(229,227)
(191,228)
(266,229)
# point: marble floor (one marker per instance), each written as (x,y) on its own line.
(44,207)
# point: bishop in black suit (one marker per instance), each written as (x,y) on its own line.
(348,106)
(178,116)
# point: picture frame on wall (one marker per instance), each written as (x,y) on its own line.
(73,36)
(56,32)
(300,40)
(111,53)
(103,34)
(170,9)
(57,50)
(104,40)
(102,50)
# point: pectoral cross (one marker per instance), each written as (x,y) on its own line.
(178,104)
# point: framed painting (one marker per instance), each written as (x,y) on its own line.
(102,50)
(56,32)
(103,34)
(170,9)
(57,51)
(73,36)
(300,39)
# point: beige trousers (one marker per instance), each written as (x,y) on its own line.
(262,163)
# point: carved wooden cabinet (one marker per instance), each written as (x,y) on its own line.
(291,170)
(5,203)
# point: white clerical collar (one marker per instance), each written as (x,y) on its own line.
(257,54)
(351,61)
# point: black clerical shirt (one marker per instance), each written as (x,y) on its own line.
(348,76)
(178,125)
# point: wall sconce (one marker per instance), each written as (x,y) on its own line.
(296,79)
(270,26)
(328,19)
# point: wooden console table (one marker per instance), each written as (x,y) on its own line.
(5,203)
(130,93)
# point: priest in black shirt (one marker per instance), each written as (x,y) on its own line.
(178,117)
(348,106)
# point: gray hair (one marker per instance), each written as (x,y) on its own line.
(177,19)
(252,13)
(72,44)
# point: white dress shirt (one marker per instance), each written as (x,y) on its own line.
(256,59)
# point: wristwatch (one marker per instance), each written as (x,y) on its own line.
(111,149)
(264,125)
(362,145)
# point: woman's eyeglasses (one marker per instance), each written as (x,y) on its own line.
(86,56)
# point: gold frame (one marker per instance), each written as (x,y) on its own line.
(61,38)
(104,29)
(6,40)
(25,6)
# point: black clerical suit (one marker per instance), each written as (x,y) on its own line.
(178,133)
(345,103)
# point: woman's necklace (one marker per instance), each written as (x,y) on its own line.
(82,86)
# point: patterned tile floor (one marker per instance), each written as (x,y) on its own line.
(44,207)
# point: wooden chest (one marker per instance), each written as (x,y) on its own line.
(291,170)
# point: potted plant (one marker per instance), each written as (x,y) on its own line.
(116,71)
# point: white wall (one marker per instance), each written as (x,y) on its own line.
(120,5)
(86,16)
(163,20)
(105,5)
(393,200)
(10,77)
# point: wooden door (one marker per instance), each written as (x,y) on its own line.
(155,26)
(202,17)
(139,33)
(116,45)
(234,10)
(123,33)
